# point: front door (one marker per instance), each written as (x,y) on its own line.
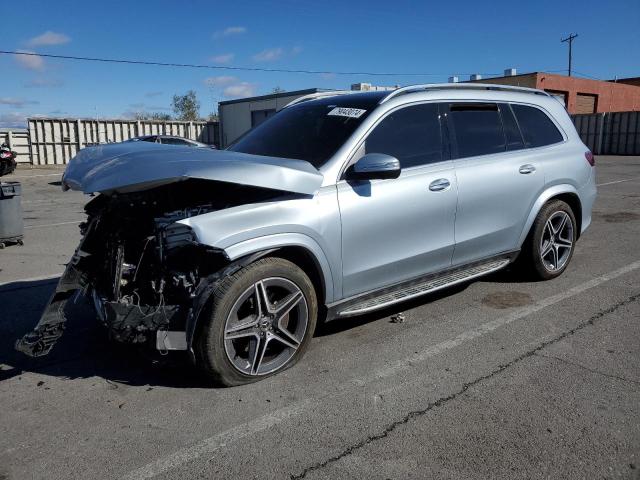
(398,229)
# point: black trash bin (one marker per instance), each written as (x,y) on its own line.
(11,221)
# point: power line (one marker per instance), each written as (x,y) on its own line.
(227,67)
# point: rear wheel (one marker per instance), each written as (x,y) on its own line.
(260,322)
(550,245)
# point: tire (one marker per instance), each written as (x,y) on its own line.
(549,232)
(239,325)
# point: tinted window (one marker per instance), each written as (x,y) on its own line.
(411,134)
(537,128)
(175,141)
(312,130)
(477,129)
(511,130)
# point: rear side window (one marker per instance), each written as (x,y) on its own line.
(537,128)
(477,129)
(411,134)
(511,131)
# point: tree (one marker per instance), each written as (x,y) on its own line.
(186,107)
(278,90)
(158,116)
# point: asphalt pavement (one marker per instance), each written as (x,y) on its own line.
(498,378)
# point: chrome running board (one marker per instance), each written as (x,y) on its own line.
(422,287)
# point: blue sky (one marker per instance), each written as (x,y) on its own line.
(443,38)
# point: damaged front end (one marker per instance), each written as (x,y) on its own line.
(146,274)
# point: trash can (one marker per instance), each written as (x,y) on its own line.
(11,221)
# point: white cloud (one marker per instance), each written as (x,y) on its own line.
(296,50)
(240,90)
(224,58)
(230,31)
(13,120)
(49,38)
(43,83)
(30,62)
(220,81)
(269,55)
(16,102)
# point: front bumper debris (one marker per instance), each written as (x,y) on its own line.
(50,328)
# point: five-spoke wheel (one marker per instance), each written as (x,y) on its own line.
(260,322)
(266,326)
(549,246)
(556,242)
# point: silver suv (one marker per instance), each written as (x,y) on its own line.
(338,205)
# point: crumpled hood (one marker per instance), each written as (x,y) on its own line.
(133,166)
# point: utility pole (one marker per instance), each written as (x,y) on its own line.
(570,40)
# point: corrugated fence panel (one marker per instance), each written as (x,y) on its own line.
(614,133)
(54,141)
(18,141)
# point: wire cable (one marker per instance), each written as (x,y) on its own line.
(227,67)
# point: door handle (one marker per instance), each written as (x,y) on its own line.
(439,185)
(527,168)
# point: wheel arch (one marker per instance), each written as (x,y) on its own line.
(565,192)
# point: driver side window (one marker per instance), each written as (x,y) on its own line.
(412,134)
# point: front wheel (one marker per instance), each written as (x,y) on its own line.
(260,322)
(551,242)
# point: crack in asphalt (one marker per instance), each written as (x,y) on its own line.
(597,372)
(466,386)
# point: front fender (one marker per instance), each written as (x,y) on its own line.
(542,199)
(280,240)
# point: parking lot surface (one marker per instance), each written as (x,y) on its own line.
(498,378)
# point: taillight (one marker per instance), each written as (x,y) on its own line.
(589,156)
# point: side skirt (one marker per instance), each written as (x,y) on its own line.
(378,299)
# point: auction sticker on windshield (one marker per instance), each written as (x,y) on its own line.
(347,112)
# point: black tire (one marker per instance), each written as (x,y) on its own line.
(209,345)
(531,260)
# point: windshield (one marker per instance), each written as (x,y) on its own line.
(311,131)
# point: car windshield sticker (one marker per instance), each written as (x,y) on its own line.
(347,112)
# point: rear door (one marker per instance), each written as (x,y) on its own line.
(498,180)
(398,229)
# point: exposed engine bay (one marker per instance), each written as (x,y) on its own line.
(144,272)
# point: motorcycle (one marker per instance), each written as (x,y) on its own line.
(7,160)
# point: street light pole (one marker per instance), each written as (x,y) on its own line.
(569,39)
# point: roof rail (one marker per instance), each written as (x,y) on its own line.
(460,86)
(313,96)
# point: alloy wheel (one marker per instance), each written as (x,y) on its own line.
(556,241)
(266,326)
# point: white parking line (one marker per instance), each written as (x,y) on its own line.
(53,224)
(617,181)
(215,442)
(34,176)
(31,279)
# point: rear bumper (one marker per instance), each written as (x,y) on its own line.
(588,193)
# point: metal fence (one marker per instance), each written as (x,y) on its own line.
(18,141)
(54,141)
(614,133)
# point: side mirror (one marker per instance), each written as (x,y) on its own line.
(374,165)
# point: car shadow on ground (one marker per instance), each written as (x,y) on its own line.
(84,350)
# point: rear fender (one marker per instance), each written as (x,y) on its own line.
(538,204)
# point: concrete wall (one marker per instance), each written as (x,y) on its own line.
(235,118)
(18,141)
(54,141)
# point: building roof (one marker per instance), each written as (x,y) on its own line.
(276,95)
